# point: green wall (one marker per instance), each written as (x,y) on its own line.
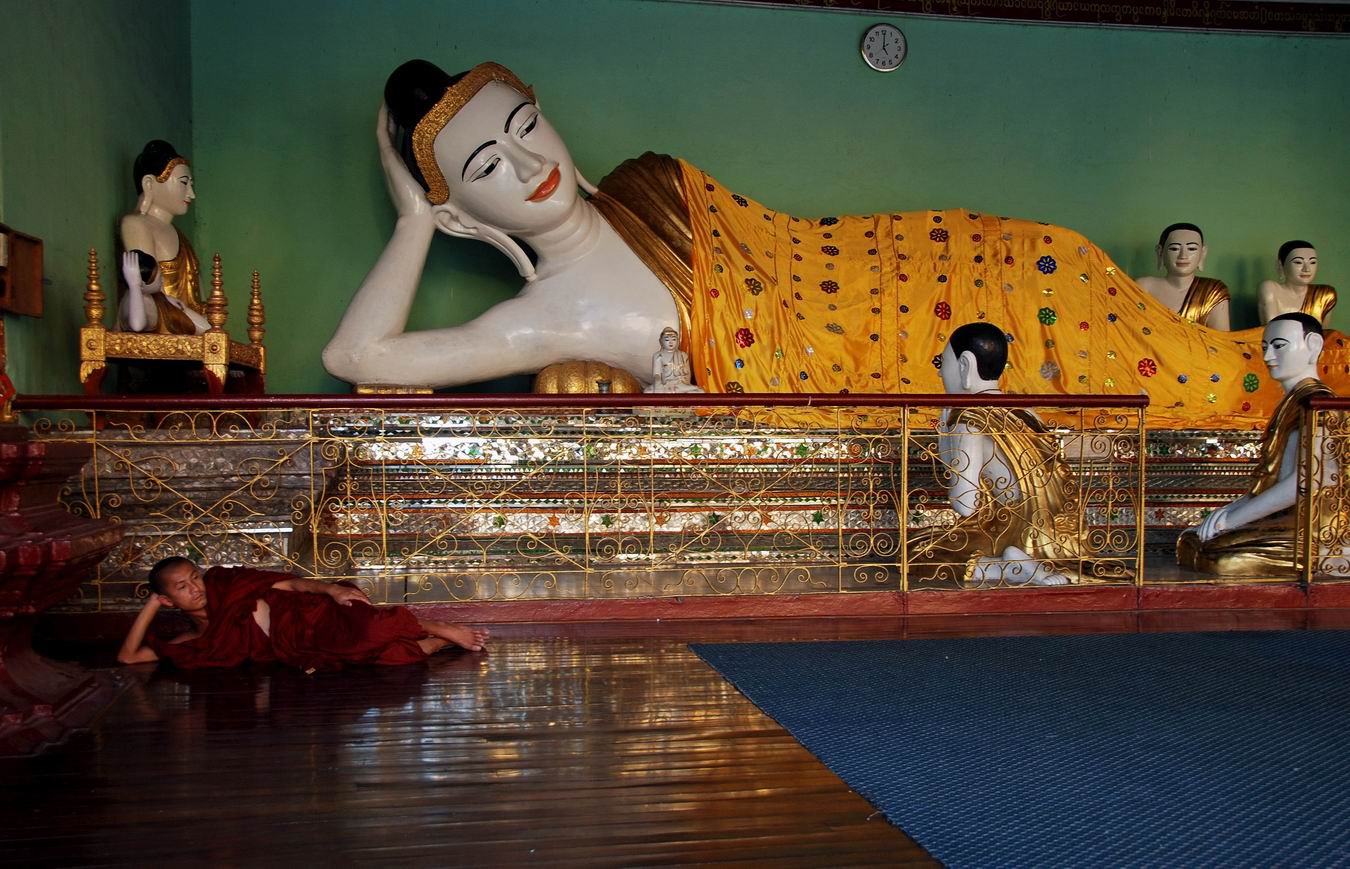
(1114,133)
(83,86)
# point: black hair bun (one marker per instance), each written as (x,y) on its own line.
(153,158)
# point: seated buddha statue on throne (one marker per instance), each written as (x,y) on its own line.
(169,302)
(1181,254)
(1255,534)
(1295,290)
(765,301)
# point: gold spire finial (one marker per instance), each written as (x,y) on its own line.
(255,312)
(216,302)
(93,293)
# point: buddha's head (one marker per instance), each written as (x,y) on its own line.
(1298,263)
(974,359)
(670,339)
(1290,346)
(1181,250)
(481,149)
(163,179)
(178,582)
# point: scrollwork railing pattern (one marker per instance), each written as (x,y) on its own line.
(455,502)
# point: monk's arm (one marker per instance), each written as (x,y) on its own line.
(343,594)
(133,651)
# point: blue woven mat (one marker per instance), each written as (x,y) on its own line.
(1220,749)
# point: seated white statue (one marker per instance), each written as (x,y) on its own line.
(174,306)
(1295,290)
(670,366)
(1181,254)
(1005,480)
(1255,534)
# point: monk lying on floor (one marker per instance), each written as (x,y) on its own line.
(240,614)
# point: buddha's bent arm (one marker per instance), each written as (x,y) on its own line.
(379,311)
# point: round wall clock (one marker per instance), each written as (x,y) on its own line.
(884,47)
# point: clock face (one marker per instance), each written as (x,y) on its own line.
(884,47)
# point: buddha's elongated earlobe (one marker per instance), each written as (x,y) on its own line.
(590,188)
(449,221)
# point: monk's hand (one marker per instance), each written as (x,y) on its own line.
(407,195)
(131,271)
(346,595)
(152,603)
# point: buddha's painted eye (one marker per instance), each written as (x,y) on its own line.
(487,168)
(529,126)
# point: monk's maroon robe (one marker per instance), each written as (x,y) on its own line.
(309,631)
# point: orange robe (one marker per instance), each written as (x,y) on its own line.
(770,302)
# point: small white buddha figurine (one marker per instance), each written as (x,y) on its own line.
(1295,290)
(670,366)
(163,179)
(1255,535)
(1181,253)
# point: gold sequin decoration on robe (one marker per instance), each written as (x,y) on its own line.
(1204,295)
(1267,548)
(1318,301)
(182,278)
(1039,511)
(769,302)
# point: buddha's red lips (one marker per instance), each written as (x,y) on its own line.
(545,190)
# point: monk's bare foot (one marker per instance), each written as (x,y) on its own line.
(473,639)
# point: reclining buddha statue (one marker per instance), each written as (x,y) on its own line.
(764,301)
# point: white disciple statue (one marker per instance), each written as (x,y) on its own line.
(1181,253)
(670,365)
(1015,498)
(1254,535)
(166,298)
(1295,290)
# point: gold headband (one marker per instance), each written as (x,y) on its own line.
(455,98)
(168,170)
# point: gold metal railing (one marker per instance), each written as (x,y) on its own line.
(431,499)
(1323,510)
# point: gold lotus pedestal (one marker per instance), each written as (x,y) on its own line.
(213,350)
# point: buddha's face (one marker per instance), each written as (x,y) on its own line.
(669,341)
(176,194)
(1183,254)
(505,165)
(1287,352)
(1300,267)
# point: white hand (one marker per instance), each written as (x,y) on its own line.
(131,271)
(408,196)
(1215,523)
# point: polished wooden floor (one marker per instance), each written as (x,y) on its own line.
(578,745)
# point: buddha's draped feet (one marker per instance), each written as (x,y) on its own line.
(1012,569)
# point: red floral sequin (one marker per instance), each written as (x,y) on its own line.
(943,311)
(744,337)
(1083,326)
(1148,367)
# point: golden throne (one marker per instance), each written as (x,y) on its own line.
(213,350)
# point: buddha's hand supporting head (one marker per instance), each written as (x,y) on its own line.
(1298,263)
(1290,347)
(1181,250)
(488,161)
(974,359)
(163,179)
